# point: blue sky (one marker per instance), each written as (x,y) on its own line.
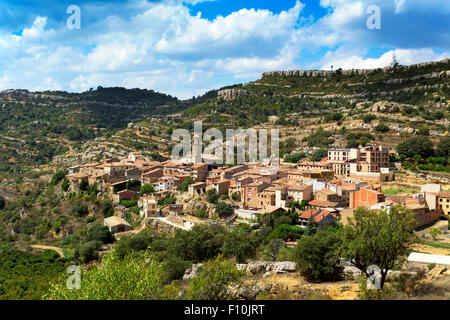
(187,47)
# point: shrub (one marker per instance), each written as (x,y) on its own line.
(285,232)
(319,155)
(88,251)
(224,210)
(317,256)
(174,268)
(213,280)
(211,196)
(382,128)
(420,145)
(80,210)
(100,233)
(241,245)
(147,189)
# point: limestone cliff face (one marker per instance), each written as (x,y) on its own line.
(230,94)
(326,73)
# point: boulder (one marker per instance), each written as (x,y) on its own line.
(350,271)
(284,266)
(191,272)
(256,267)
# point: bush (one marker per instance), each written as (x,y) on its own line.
(382,128)
(224,210)
(100,233)
(211,196)
(88,251)
(295,158)
(420,145)
(282,220)
(285,232)
(184,186)
(147,189)
(201,243)
(138,242)
(317,256)
(174,268)
(319,155)
(273,248)
(80,210)
(2,202)
(240,245)
(57,177)
(213,280)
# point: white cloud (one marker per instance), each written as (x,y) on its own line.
(404,56)
(163,46)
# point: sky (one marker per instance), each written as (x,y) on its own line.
(188,47)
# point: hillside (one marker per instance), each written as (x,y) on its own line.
(35,126)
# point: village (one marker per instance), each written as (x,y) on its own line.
(324,192)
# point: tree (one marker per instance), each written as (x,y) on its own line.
(213,280)
(273,248)
(84,185)
(185,184)
(211,196)
(295,158)
(420,145)
(282,220)
(224,210)
(423,131)
(201,243)
(380,239)
(241,245)
(147,189)
(443,147)
(88,251)
(235,196)
(311,227)
(100,233)
(285,232)
(319,155)
(132,278)
(317,256)
(382,128)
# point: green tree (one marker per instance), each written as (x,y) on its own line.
(87,251)
(132,278)
(420,145)
(201,243)
(423,131)
(319,155)
(211,196)
(98,232)
(443,147)
(381,239)
(147,189)
(213,280)
(184,186)
(241,245)
(224,210)
(273,248)
(285,232)
(382,128)
(317,256)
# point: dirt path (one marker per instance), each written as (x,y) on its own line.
(42,247)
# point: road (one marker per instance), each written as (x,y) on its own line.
(43,247)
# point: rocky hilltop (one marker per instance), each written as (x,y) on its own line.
(326,73)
